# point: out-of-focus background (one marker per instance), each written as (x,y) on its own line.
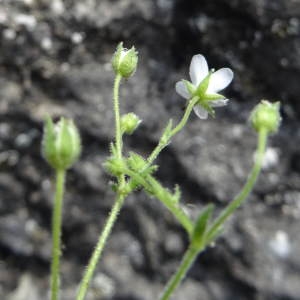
(55,59)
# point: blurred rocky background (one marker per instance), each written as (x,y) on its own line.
(55,59)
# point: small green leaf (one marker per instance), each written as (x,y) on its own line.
(200,226)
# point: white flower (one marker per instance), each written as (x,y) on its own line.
(206,85)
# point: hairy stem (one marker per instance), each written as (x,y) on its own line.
(192,252)
(156,189)
(163,143)
(241,197)
(56,233)
(89,272)
(187,261)
(96,256)
(118,137)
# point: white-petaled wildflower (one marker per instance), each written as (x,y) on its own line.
(205,85)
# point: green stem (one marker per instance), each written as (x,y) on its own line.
(164,142)
(89,272)
(185,117)
(166,200)
(118,140)
(155,188)
(187,261)
(56,233)
(99,247)
(241,197)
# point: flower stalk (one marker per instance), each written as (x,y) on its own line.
(186,263)
(56,233)
(124,64)
(246,190)
(209,234)
(89,272)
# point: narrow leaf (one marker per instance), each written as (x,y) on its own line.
(201,225)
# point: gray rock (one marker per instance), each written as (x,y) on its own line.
(55,59)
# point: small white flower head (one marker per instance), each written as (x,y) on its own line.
(205,85)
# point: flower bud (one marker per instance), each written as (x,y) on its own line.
(137,163)
(114,166)
(61,145)
(266,116)
(129,123)
(125,61)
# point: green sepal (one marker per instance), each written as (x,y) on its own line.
(209,109)
(116,57)
(48,142)
(212,97)
(189,86)
(200,226)
(202,88)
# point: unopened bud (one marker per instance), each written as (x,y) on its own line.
(129,123)
(266,116)
(114,166)
(125,61)
(61,146)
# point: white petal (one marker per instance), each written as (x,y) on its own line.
(182,90)
(198,69)
(218,103)
(200,112)
(219,80)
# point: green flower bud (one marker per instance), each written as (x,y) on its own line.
(114,166)
(61,146)
(137,163)
(266,116)
(125,61)
(129,123)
